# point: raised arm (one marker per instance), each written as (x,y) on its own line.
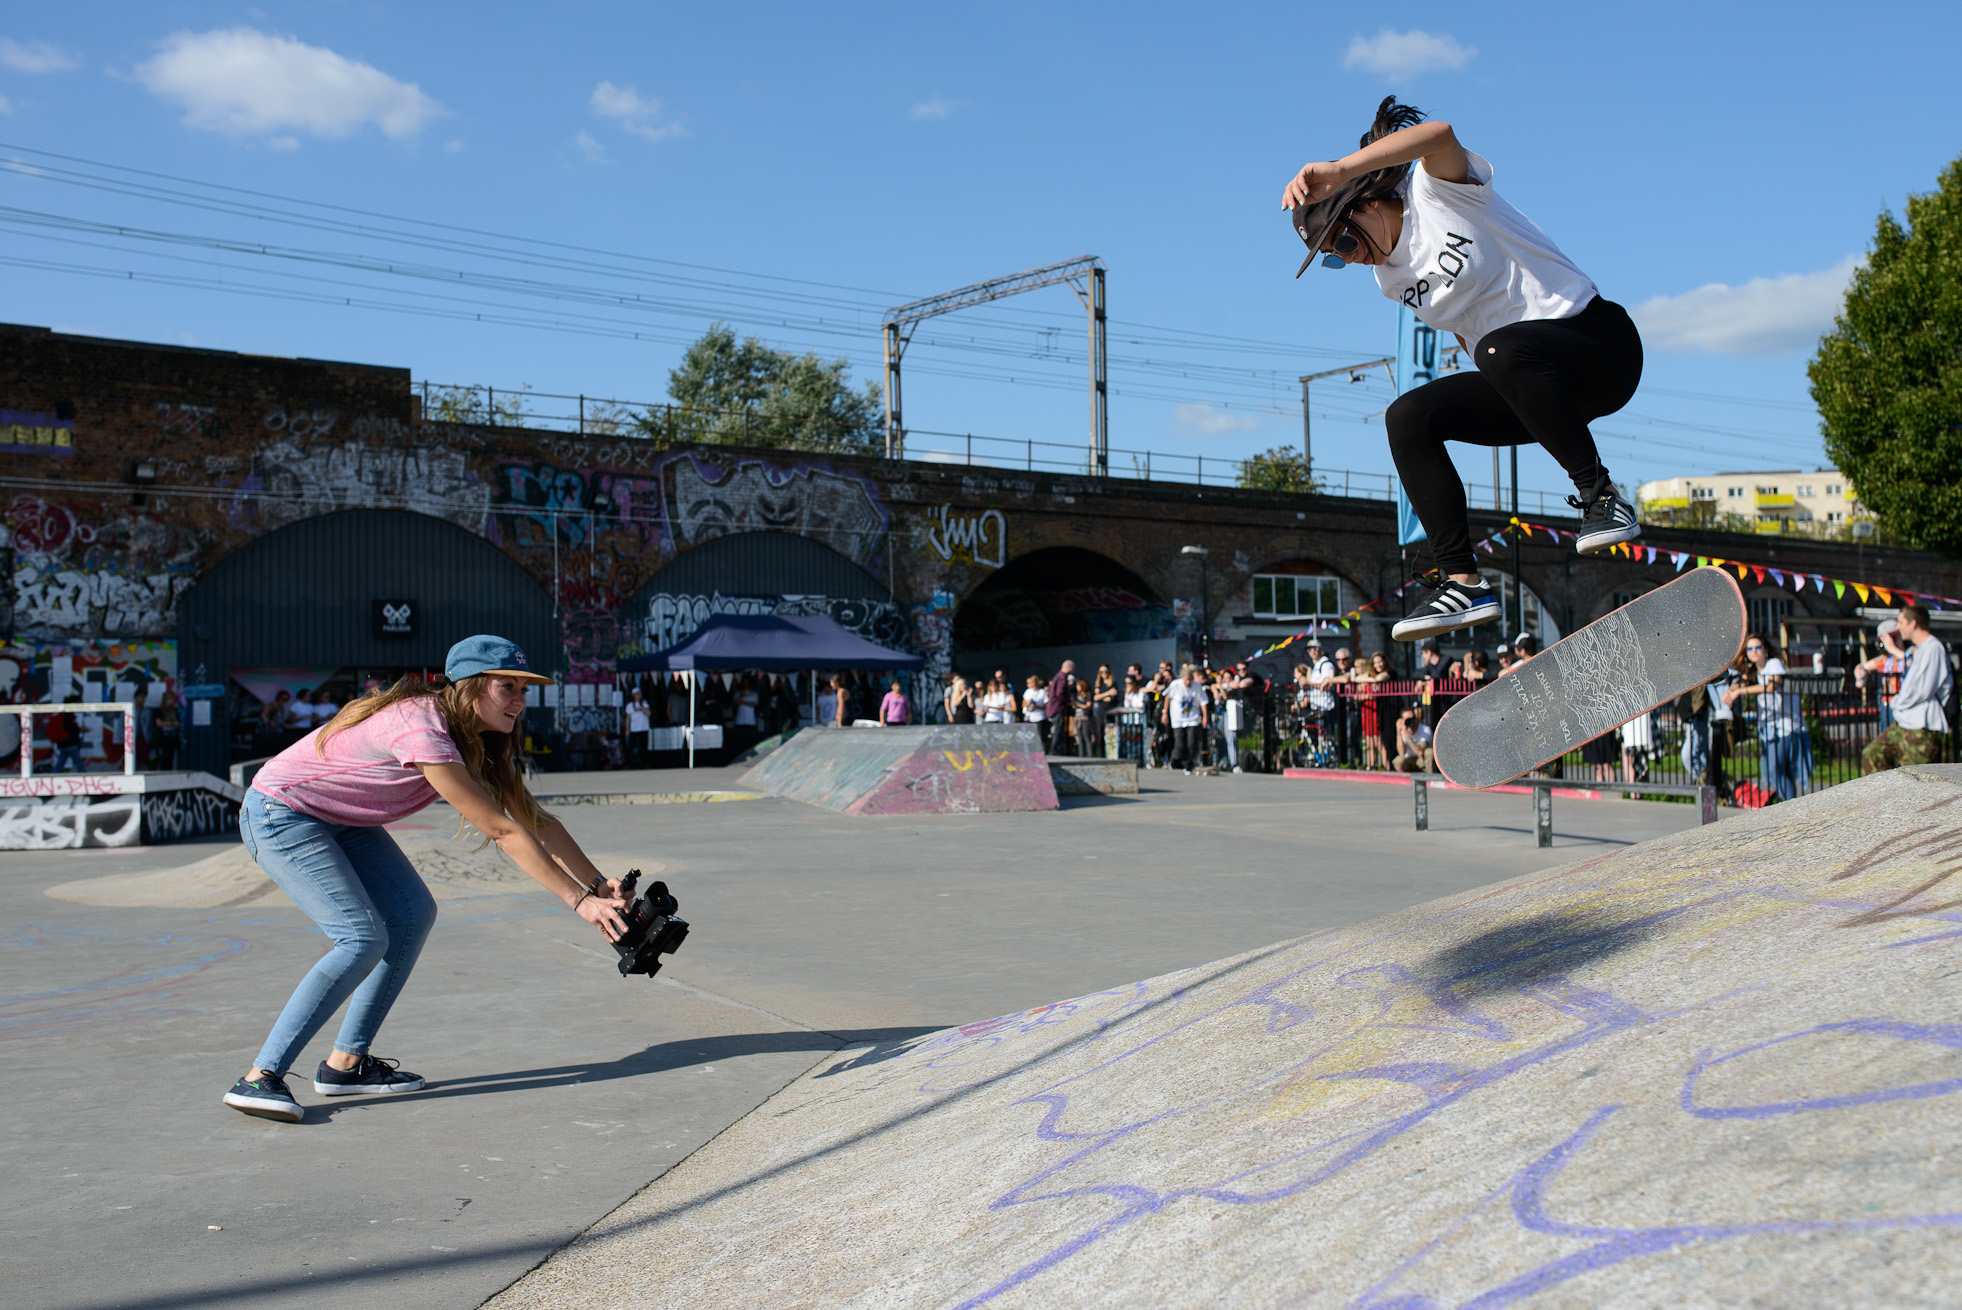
(568,881)
(1434,143)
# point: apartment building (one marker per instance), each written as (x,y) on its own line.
(1779,500)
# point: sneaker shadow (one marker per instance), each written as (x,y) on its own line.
(885,1043)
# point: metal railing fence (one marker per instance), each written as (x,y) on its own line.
(678,425)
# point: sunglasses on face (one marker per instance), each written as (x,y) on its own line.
(1753,646)
(1345,241)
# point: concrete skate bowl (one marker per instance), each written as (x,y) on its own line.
(1720,1068)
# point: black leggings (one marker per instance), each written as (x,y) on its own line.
(1537,381)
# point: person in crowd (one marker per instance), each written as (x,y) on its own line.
(1105,696)
(1454,671)
(299,713)
(1505,661)
(1374,725)
(1187,713)
(315,819)
(144,715)
(747,706)
(1413,741)
(65,735)
(1887,668)
(1081,719)
(1637,747)
(1060,706)
(1348,716)
(959,701)
(677,701)
(1324,675)
(1478,669)
(1035,705)
(637,723)
(895,710)
(1598,756)
(827,702)
(268,738)
(1524,647)
(324,708)
(1431,671)
(1919,732)
(166,731)
(1781,729)
(996,704)
(841,702)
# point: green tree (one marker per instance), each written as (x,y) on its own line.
(1888,377)
(743,392)
(1283,468)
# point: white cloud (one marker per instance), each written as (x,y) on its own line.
(936,108)
(1765,316)
(589,146)
(641,115)
(6,106)
(1406,54)
(1206,419)
(245,82)
(34,56)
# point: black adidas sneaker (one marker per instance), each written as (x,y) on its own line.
(1605,520)
(370,1076)
(1446,607)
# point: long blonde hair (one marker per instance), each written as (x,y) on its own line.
(495,759)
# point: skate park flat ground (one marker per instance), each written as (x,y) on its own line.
(558,1088)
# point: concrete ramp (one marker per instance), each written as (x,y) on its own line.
(1721,1068)
(951,769)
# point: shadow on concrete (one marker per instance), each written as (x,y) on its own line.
(885,1043)
(1524,952)
(316,1287)
(1561,836)
(1093,801)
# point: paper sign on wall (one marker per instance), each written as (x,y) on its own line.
(200,714)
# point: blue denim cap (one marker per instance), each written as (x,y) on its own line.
(488,654)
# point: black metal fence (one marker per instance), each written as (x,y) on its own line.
(1284,731)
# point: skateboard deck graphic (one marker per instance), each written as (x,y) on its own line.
(1615,669)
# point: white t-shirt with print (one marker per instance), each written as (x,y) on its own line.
(1322,697)
(1185,702)
(1035,704)
(1778,711)
(1468,262)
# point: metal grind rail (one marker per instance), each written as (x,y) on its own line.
(1543,789)
(27,712)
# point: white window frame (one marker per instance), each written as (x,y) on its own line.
(1327,588)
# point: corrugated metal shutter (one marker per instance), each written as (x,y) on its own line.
(761,564)
(304,595)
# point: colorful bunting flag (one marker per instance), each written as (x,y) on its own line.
(1839,589)
(1861,588)
(1886,597)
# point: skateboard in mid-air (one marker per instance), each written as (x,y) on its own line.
(1612,671)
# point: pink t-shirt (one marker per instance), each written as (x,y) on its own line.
(368,775)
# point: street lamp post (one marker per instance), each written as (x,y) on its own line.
(1205,650)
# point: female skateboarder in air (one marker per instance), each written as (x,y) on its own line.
(1551,353)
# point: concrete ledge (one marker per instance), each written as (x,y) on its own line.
(1088,776)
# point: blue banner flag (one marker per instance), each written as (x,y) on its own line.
(1416,365)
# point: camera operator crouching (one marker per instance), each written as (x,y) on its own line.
(314,818)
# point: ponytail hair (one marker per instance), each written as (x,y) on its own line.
(1390,117)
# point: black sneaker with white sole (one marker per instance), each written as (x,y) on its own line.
(370,1076)
(1606,519)
(1446,607)
(265,1096)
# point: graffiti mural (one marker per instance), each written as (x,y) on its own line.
(74,578)
(578,504)
(293,480)
(69,822)
(671,619)
(839,509)
(980,539)
(933,636)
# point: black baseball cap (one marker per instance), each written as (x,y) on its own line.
(1313,222)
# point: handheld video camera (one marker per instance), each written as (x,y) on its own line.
(652,929)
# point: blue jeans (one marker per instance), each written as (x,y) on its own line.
(1787,766)
(369,900)
(68,759)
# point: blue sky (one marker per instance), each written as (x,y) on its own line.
(1714,168)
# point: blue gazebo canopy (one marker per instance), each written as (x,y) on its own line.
(771,641)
